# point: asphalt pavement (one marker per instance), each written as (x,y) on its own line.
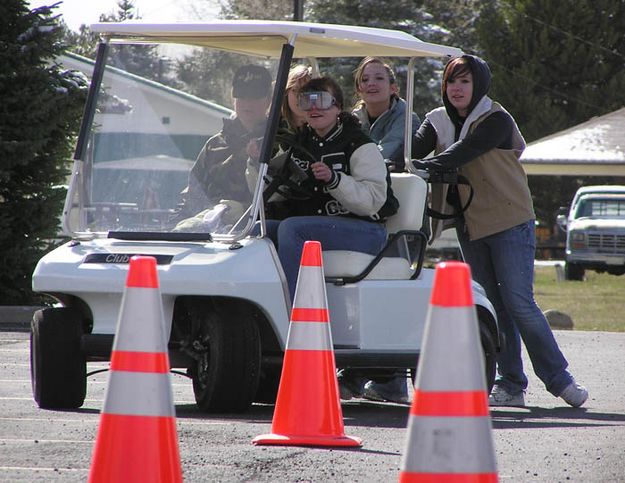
(546,441)
(16,317)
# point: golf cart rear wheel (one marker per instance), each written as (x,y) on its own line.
(489,348)
(225,378)
(58,369)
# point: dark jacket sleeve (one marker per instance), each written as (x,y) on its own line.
(424,140)
(493,132)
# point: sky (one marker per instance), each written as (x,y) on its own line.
(77,12)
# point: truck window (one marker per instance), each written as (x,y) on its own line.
(601,208)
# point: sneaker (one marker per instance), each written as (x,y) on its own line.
(350,386)
(501,397)
(392,391)
(574,394)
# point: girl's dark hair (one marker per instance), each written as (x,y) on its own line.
(455,68)
(325,84)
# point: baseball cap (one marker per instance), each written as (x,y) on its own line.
(251,82)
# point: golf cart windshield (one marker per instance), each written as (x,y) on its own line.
(167,153)
(161,149)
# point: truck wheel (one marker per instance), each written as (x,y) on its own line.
(489,347)
(225,378)
(573,271)
(58,369)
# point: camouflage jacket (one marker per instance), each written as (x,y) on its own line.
(219,171)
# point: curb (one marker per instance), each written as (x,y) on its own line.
(17,317)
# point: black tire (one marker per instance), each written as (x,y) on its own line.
(573,271)
(268,385)
(489,347)
(58,369)
(225,379)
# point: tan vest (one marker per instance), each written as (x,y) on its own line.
(501,196)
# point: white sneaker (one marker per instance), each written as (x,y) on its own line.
(574,394)
(500,397)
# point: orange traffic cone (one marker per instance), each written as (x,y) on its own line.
(449,428)
(136,439)
(308,407)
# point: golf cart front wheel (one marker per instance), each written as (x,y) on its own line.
(225,377)
(58,369)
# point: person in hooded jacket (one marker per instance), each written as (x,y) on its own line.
(477,137)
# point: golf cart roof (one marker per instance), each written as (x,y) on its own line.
(265,38)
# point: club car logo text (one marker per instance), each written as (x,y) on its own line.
(122,258)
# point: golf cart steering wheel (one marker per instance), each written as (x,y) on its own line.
(289,179)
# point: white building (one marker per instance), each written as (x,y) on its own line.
(187,120)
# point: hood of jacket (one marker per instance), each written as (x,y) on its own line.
(481,85)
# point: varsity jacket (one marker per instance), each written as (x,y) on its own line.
(360,185)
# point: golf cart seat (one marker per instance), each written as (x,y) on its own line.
(396,261)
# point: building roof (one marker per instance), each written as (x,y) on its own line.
(593,148)
(85,65)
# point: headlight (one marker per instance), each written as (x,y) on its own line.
(578,239)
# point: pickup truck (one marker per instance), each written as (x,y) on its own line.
(595,227)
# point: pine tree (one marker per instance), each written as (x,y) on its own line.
(456,19)
(257,9)
(142,60)
(408,16)
(555,65)
(41,105)
(84,42)
(208,73)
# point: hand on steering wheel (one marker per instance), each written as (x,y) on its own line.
(289,180)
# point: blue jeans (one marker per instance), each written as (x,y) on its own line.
(333,232)
(503,264)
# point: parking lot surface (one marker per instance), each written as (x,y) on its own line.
(546,441)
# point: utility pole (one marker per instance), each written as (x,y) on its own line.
(298,10)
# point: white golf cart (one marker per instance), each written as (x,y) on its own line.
(224,293)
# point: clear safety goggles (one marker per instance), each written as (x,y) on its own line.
(322,100)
